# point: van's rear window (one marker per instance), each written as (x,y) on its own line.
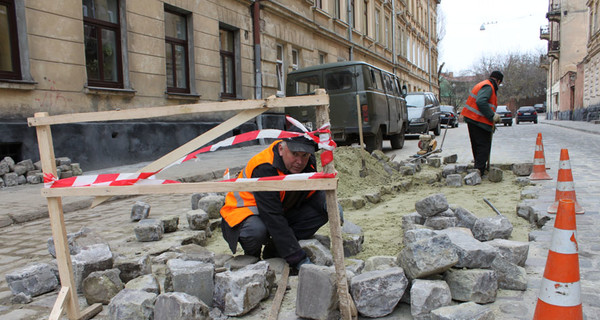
(307,85)
(340,80)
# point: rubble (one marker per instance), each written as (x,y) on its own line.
(13,174)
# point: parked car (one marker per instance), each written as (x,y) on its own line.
(526,113)
(383,113)
(540,107)
(505,115)
(423,113)
(449,116)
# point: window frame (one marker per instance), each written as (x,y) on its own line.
(223,54)
(116,28)
(279,67)
(185,44)
(13,40)
(377,24)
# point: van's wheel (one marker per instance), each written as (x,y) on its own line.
(397,140)
(374,142)
(438,129)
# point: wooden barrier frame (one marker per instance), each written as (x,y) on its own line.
(248,110)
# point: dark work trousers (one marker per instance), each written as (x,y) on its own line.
(481,143)
(279,233)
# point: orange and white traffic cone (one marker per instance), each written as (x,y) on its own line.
(539,161)
(560,292)
(565,187)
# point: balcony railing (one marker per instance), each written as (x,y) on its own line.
(553,12)
(544,33)
(553,49)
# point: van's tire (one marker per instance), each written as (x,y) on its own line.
(374,142)
(397,140)
(437,130)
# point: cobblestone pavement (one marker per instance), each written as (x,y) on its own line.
(25,242)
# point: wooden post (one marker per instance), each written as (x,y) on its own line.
(347,307)
(360,130)
(57,222)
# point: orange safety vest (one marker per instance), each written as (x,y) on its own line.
(240,205)
(471,110)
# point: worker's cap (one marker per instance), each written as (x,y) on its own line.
(497,75)
(300,143)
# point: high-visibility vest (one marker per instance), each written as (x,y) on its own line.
(471,110)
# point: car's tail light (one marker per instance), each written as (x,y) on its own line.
(534,113)
(509,115)
(519,113)
(365,112)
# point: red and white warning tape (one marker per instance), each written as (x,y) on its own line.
(289,177)
(320,136)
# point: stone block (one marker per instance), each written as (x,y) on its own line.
(4,168)
(147,282)
(354,265)
(170,223)
(212,205)
(522,169)
(101,286)
(19,170)
(197,219)
(132,267)
(522,181)
(462,168)
(428,295)
(510,276)
(78,240)
(530,192)
(374,197)
(435,162)
(64,174)
(10,179)
(63,161)
(495,174)
(199,237)
(239,262)
(472,179)
(35,179)
(471,252)
(439,223)
(76,168)
(194,252)
(454,180)
(525,211)
(450,159)
(376,293)
(317,296)
(379,263)
(477,285)
(486,229)
(352,239)
(317,252)
(513,251)
(432,205)
(33,280)
(238,292)
(9,161)
(412,236)
(96,257)
(468,310)
(407,170)
(413,217)
(27,163)
(192,277)
(140,211)
(180,306)
(131,305)
(20,298)
(148,230)
(428,256)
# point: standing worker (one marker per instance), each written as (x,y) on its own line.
(276,219)
(480,116)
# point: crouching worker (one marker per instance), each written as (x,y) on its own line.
(275,219)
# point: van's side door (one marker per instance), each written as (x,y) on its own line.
(377,101)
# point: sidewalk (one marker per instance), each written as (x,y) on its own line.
(24,203)
(582,126)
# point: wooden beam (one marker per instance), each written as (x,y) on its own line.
(59,304)
(196,143)
(347,308)
(184,188)
(91,311)
(165,111)
(281,287)
(57,222)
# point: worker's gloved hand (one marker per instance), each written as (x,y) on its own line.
(497,118)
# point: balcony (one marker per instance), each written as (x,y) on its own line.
(553,12)
(544,33)
(544,61)
(554,49)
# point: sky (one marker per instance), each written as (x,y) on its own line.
(510,26)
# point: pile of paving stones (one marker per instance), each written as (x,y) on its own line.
(450,265)
(26,171)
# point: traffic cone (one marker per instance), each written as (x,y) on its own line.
(560,292)
(565,188)
(539,162)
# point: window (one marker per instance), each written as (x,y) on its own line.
(10,67)
(176,49)
(387,32)
(376,81)
(279,70)
(337,9)
(322,57)
(307,85)
(228,71)
(295,59)
(102,38)
(319,4)
(366,17)
(377,14)
(339,80)
(352,11)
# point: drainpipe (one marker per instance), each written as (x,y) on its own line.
(429,43)
(394,58)
(257,60)
(350,21)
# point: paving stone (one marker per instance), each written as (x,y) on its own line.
(238,292)
(379,263)
(179,306)
(376,293)
(317,252)
(428,257)
(212,205)
(149,230)
(317,296)
(33,280)
(477,285)
(428,295)
(486,229)
(522,169)
(147,282)
(170,223)
(101,286)
(132,267)
(432,205)
(192,277)
(468,310)
(471,252)
(198,219)
(454,180)
(495,175)
(132,305)
(139,211)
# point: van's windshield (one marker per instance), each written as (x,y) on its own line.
(416,100)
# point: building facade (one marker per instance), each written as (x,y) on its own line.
(70,56)
(566,33)
(591,65)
